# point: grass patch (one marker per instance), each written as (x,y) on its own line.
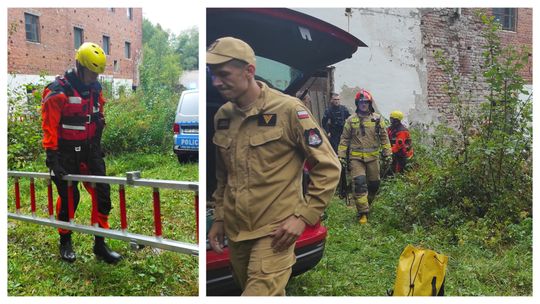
(34,266)
(362,260)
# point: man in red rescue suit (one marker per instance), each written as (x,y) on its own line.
(400,139)
(72,122)
(363,138)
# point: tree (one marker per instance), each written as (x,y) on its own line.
(187,45)
(160,68)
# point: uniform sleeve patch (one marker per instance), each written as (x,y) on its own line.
(223,124)
(302,114)
(313,137)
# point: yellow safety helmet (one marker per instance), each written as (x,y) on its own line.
(397,115)
(92,57)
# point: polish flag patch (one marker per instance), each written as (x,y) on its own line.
(302,114)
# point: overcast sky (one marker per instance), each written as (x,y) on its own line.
(176,19)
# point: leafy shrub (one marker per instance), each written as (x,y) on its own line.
(24,125)
(477,176)
(132,127)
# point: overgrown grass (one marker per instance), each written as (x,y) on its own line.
(34,266)
(362,260)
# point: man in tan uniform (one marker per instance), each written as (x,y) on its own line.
(363,137)
(263,137)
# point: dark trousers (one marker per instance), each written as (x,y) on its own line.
(73,162)
(334,141)
(398,163)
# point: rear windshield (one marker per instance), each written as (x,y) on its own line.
(277,74)
(189,105)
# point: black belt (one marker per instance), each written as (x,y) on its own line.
(76,145)
(80,120)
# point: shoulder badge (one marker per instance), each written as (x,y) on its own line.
(313,137)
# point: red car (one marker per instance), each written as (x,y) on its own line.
(309,251)
(290,47)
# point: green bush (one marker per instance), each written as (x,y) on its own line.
(24,125)
(439,190)
(478,175)
(132,127)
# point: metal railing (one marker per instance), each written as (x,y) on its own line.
(131,179)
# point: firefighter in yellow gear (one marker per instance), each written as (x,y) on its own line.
(364,136)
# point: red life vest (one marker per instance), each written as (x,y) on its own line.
(400,140)
(80,114)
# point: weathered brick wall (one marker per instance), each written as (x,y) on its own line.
(522,36)
(458,35)
(55,52)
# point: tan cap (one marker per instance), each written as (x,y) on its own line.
(228,48)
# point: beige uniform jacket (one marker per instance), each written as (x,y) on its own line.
(364,146)
(260,155)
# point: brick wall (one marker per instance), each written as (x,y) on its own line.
(56,51)
(458,34)
(522,36)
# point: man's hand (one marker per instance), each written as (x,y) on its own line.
(289,231)
(215,235)
(53,163)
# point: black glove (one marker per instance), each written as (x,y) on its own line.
(53,163)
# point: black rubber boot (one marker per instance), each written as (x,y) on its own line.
(370,198)
(66,250)
(103,252)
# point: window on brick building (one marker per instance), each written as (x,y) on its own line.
(130,13)
(31,24)
(78,37)
(506,17)
(127,50)
(107,45)
(111,9)
(116,66)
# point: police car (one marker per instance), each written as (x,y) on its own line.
(290,48)
(186,126)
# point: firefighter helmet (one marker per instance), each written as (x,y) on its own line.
(397,115)
(364,95)
(92,57)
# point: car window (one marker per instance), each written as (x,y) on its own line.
(277,74)
(189,105)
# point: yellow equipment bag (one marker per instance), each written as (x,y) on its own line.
(421,272)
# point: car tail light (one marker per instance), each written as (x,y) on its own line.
(176,128)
